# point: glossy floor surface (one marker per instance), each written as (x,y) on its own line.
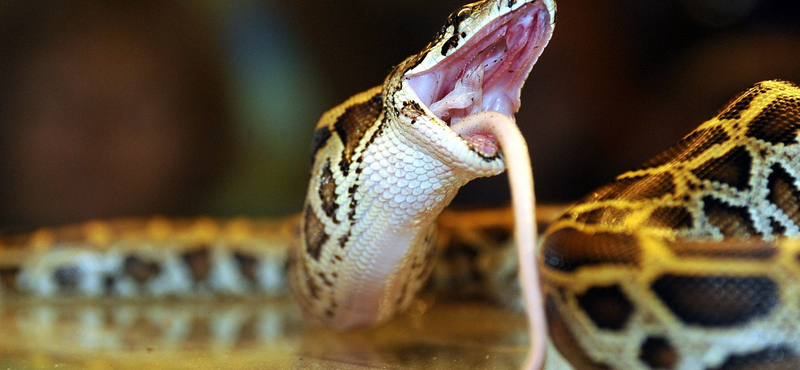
(259,334)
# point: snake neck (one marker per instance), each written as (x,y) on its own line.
(387,161)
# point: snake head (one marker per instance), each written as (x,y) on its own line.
(477,62)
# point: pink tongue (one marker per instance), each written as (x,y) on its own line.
(520,175)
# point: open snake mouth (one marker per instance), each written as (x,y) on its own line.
(487,72)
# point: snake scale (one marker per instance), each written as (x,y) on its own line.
(687,262)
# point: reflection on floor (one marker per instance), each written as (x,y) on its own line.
(257,334)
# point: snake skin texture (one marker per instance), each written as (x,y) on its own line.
(139,259)
(684,262)
(690,262)
(387,161)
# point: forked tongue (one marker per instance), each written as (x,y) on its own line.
(520,175)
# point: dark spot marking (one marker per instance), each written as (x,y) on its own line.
(68,278)
(733,169)
(139,270)
(352,125)
(696,142)
(569,249)
(671,217)
(717,301)
(247,266)
(773,358)
(412,109)
(778,122)
(784,193)
(777,228)
(658,353)
(321,137)
(565,341)
(199,262)
(731,220)
(451,43)
(327,192)
(108,283)
(315,234)
(8,278)
(606,306)
(343,240)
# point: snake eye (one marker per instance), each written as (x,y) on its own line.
(462,15)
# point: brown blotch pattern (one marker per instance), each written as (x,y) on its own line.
(327,192)
(569,249)
(321,137)
(783,193)
(315,234)
(731,220)
(733,169)
(717,301)
(247,265)
(608,307)
(199,262)
(658,353)
(67,278)
(139,270)
(353,124)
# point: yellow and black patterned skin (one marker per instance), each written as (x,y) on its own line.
(681,264)
(690,262)
(386,162)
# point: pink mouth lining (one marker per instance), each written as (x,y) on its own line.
(487,73)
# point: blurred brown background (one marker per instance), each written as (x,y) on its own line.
(184,108)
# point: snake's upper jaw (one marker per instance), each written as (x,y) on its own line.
(477,67)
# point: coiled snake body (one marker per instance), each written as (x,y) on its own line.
(681,264)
